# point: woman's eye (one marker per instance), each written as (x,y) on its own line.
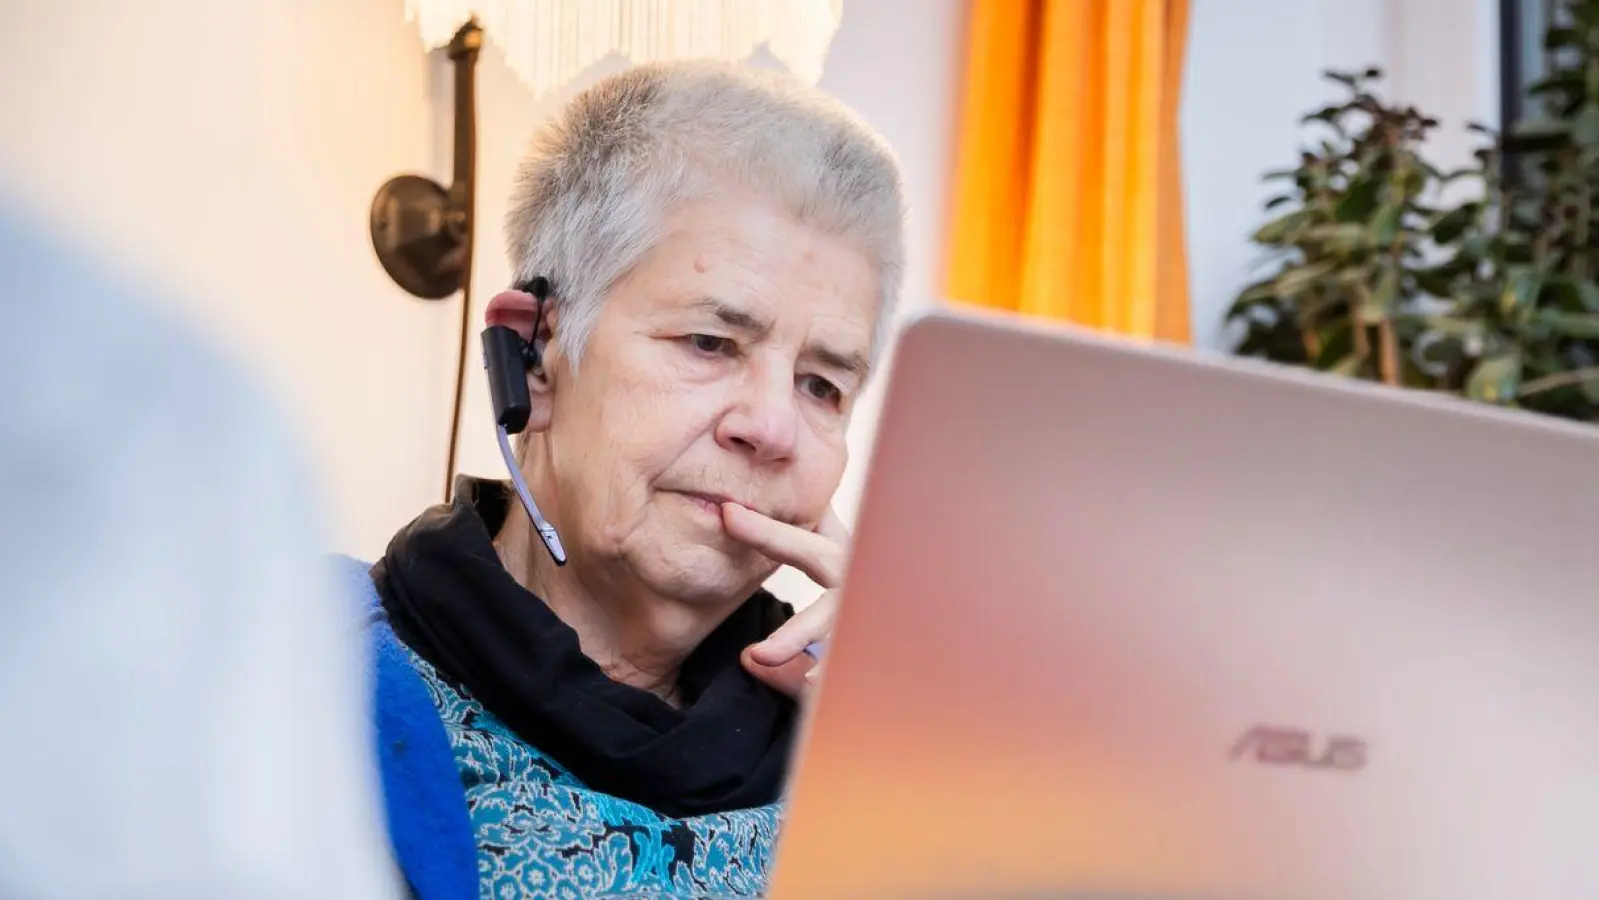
(822,389)
(710,343)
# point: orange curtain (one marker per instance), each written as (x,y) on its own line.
(1068,199)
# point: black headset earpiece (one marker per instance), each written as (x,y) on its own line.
(508,359)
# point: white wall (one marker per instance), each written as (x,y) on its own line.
(1445,59)
(1254,68)
(230,151)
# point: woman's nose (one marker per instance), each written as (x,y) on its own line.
(764,422)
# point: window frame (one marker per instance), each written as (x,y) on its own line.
(1521,54)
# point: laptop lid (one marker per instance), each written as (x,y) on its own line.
(1125,620)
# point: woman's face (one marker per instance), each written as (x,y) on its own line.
(724,366)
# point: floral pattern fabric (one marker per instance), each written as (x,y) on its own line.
(542,833)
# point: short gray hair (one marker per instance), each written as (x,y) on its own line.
(602,176)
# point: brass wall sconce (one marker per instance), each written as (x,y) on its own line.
(422,231)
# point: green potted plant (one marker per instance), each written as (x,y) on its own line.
(1523,283)
(1346,244)
(1495,297)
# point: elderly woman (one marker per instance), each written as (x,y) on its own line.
(723,250)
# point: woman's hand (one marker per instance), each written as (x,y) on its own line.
(780,660)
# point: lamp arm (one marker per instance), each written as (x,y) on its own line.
(463,53)
(421,230)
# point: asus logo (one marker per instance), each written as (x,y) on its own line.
(1294,747)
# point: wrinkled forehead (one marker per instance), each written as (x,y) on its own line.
(752,267)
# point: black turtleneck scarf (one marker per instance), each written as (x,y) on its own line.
(449,599)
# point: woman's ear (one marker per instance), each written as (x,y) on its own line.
(541,391)
(515,310)
(519,311)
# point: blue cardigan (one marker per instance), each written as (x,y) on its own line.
(430,830)
(474,810)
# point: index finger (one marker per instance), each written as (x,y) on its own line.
(819,557)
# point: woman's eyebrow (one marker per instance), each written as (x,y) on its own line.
(843,360)
(755,326)
(734,317)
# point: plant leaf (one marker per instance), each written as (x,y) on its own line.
(1337,340)
(1359,202)
(1325,114)
(1278,200)
(1447,228)
(1571,294)
(1476,299)
(1537,134)
(1433,281)
(1585,126)
(1541,126)
(1293,281)
(1561,292)
(1476,246)
(1511,248)
(1279,229)
(1557,82)
(1584,12)
(1436,353)
(1340,237)
(1588,294)
(1521,288)
(1347,366)
(1584,326)
(1496,378)
(1468,335)
(1379,303)
(1385,225)
(1555,38)
(1255,293)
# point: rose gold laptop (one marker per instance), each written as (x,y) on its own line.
(1126,621)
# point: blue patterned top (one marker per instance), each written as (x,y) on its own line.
(541,833)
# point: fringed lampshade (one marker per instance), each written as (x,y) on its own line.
(547,43)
